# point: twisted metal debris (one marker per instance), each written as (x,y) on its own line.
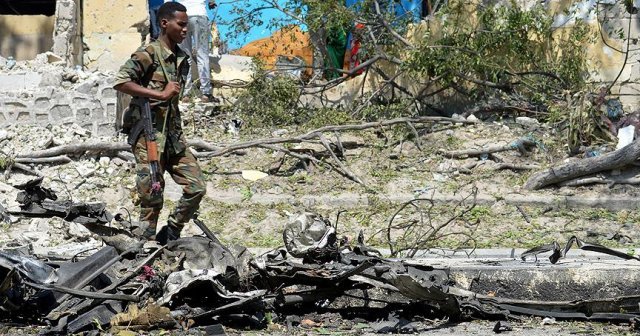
(197,281)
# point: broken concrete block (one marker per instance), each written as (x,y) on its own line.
(473,118)
(528,122)
(53,58)
(78,230)
(118,161)
(87,87)
(53,79)
(104,161)
(5,188)
(86,170)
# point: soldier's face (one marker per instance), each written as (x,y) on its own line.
(176,28)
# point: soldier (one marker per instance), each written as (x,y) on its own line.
(157,71)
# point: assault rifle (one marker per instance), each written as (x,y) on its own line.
(152,146)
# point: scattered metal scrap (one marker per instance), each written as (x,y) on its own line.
(38,201)
(558,253)
(198,282)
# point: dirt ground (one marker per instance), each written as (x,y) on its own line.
(394,170)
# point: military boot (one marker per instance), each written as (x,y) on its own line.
(167,234)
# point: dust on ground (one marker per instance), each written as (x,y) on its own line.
(394,168)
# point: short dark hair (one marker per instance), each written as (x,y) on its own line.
(168,10)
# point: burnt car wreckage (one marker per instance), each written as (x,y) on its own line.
(198,282)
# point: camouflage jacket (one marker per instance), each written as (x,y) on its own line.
(176,67)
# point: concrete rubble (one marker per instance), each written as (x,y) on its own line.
(44,91)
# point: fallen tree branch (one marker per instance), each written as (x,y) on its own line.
(608,180)
(24,168)
(54,159)
(99,147)
(513,166)
(570,170)
(350,175)
(301,157)
(337,128)
(311,158)
(466,168)
(127,156)
(199,143)
(77,149)
(522,145)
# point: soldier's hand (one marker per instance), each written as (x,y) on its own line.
(172,89)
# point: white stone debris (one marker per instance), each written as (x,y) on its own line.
(527,122)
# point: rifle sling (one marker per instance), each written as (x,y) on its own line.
(166,77)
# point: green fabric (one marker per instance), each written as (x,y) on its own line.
(336,46)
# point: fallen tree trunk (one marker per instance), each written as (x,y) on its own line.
(608,180)
(586,166)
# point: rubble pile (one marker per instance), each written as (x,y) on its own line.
(197,282)
(45,91)
(54,71)
(86,177)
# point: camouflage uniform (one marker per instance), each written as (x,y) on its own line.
(175,158)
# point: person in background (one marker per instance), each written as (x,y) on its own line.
(157,72)
(198,41)
(154,28)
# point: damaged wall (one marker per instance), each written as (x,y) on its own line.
(67,36)
(45,92)
(91,106)
(25,36)
(607,59)
(112,30)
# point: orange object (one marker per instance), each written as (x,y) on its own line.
(289,41)
(152,151)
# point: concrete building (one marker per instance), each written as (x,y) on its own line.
(97,34)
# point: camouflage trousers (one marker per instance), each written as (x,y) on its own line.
(184,170)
